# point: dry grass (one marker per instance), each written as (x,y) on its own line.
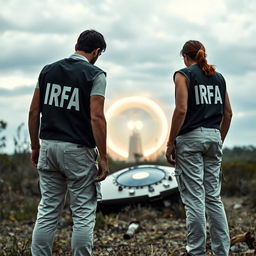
(162,231)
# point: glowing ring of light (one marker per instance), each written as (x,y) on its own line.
(145,104)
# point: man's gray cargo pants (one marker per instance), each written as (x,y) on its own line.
(63,167)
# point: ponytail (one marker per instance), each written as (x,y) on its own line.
(196,51)
(200,58)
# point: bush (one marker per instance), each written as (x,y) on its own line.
(238,178)
(16,172)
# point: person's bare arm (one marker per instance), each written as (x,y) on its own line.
(99,128)
(226,120)
(179,114)
(33,126)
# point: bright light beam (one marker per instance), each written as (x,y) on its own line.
(150,107)
(135,125)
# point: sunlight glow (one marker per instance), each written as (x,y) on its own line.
(143,103)
(135,125)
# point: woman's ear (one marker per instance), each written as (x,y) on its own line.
(187,60)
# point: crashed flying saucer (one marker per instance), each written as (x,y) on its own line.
(138,184)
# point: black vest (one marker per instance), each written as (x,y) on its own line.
(65,88)
(206,99)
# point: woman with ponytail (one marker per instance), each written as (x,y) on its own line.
(200,123)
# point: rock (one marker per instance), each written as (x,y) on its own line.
(237,206)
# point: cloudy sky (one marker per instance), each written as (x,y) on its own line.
(144,38)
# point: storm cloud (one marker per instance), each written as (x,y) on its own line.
(144,39)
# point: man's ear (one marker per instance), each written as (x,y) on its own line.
(95,52)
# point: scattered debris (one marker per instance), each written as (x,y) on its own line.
(161,231)
(132,229)
(237,206)
(246,238)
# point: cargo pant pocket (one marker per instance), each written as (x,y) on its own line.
(42,160)
(179,179)
(98,190)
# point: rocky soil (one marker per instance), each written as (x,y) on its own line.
(161,232)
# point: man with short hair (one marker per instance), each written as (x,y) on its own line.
(70,97)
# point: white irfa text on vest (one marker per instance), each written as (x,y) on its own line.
(207,94)
(56,95)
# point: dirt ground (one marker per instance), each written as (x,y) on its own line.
(162,230)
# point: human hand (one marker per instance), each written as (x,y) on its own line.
(34,157)
(170,154)
(103,170)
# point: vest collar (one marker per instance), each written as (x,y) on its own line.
(78,57)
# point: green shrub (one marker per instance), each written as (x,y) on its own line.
(238,178)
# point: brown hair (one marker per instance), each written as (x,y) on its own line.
(196,51)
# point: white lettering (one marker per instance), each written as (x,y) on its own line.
(55,93)
(210,93)
(196,95)
(207,94)
(203,92)
(64,96)
(74,100)
(47,93)
(217,95)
